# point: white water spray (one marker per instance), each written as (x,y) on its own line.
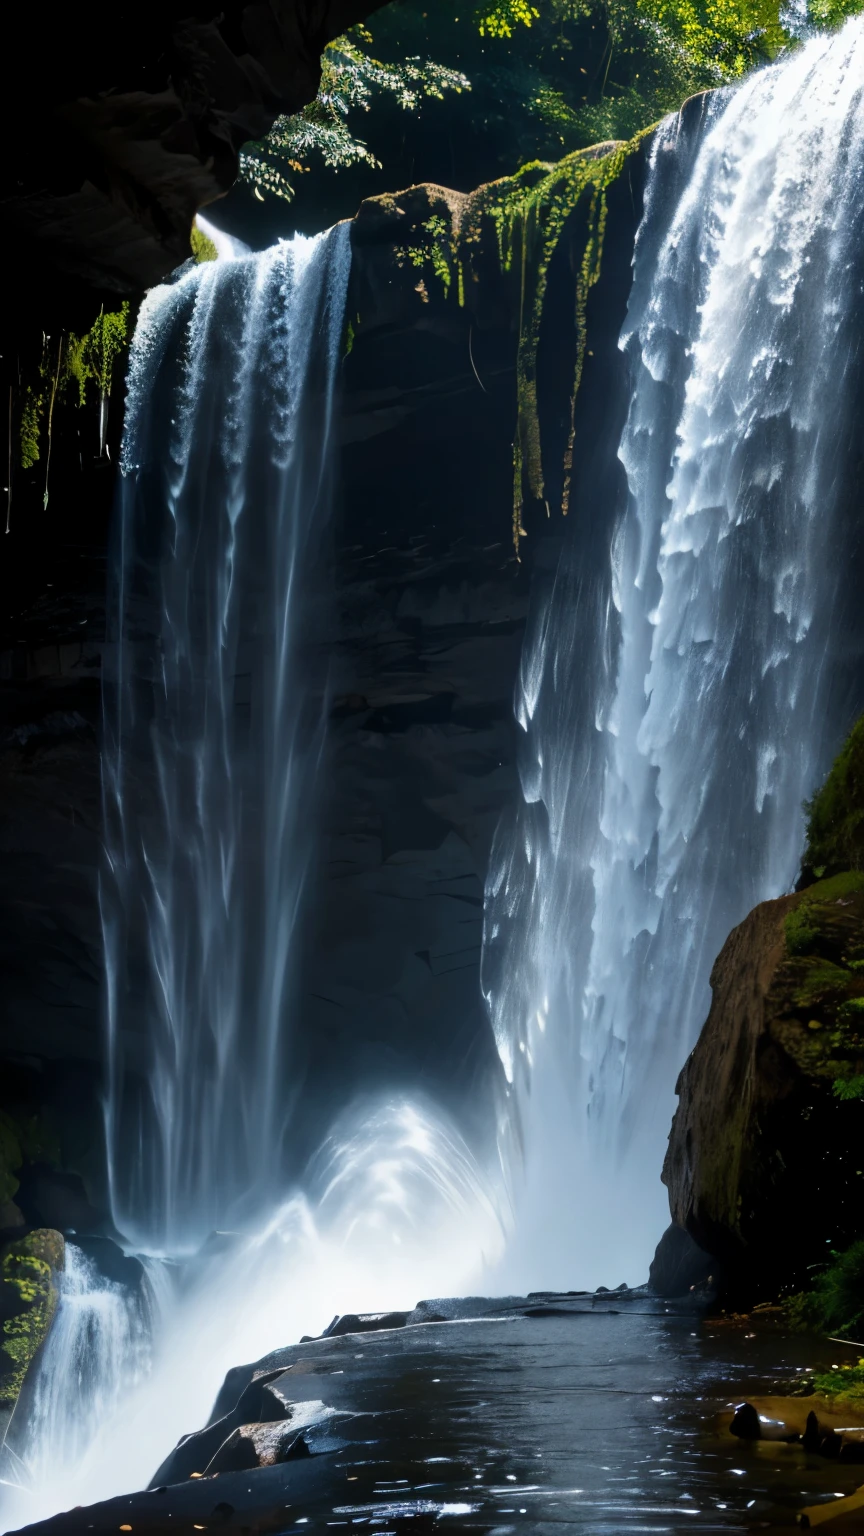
(681,700)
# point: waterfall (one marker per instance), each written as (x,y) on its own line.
(98,1352)
(213,727)
(683,695)
(214,721)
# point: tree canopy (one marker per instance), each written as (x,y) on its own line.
(462,91)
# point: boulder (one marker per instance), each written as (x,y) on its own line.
(258,1445)
(364,1322)
(679,1265)
(194,1453)
(764,1165)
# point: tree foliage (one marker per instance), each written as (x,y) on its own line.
(832,13)
(350,79)
(70,363)
(835,1303)
(547,77)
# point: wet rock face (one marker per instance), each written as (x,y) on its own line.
(764,1161)
(680,1267)
(133,122)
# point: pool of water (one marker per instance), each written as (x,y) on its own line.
(590,1422)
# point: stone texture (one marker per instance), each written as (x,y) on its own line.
(258,1445)
(679,1265)
(763,1160)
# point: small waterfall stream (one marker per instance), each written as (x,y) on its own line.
(681,700)
(100,1347)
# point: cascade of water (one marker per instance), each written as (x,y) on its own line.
(98,1352)
(213,724)
(681,698)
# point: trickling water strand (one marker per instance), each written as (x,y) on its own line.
(213,726)
(680,704)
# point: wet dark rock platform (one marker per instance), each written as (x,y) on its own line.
(600,1419)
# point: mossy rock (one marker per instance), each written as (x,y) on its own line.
(819,988)
(28,1301)
(765,1167)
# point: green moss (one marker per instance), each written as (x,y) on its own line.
(74,362)
(835,816)
(801,934)
(846,1383)
(820,987)
(821,981)
(32,411)
(201,246)
(24,1138)
(29,1301)
(805,924)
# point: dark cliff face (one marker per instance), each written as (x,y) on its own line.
(763,1160)
(120,122)
(424,633)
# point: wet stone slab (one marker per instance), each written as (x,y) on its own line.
(594,1420)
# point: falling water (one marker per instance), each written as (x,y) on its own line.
(678,700)
(98,1353)
(213,726)
(683,696)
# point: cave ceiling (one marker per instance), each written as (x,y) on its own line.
(122,120)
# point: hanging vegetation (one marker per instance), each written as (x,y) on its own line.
(77,363)
(82,366)
(530,211)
